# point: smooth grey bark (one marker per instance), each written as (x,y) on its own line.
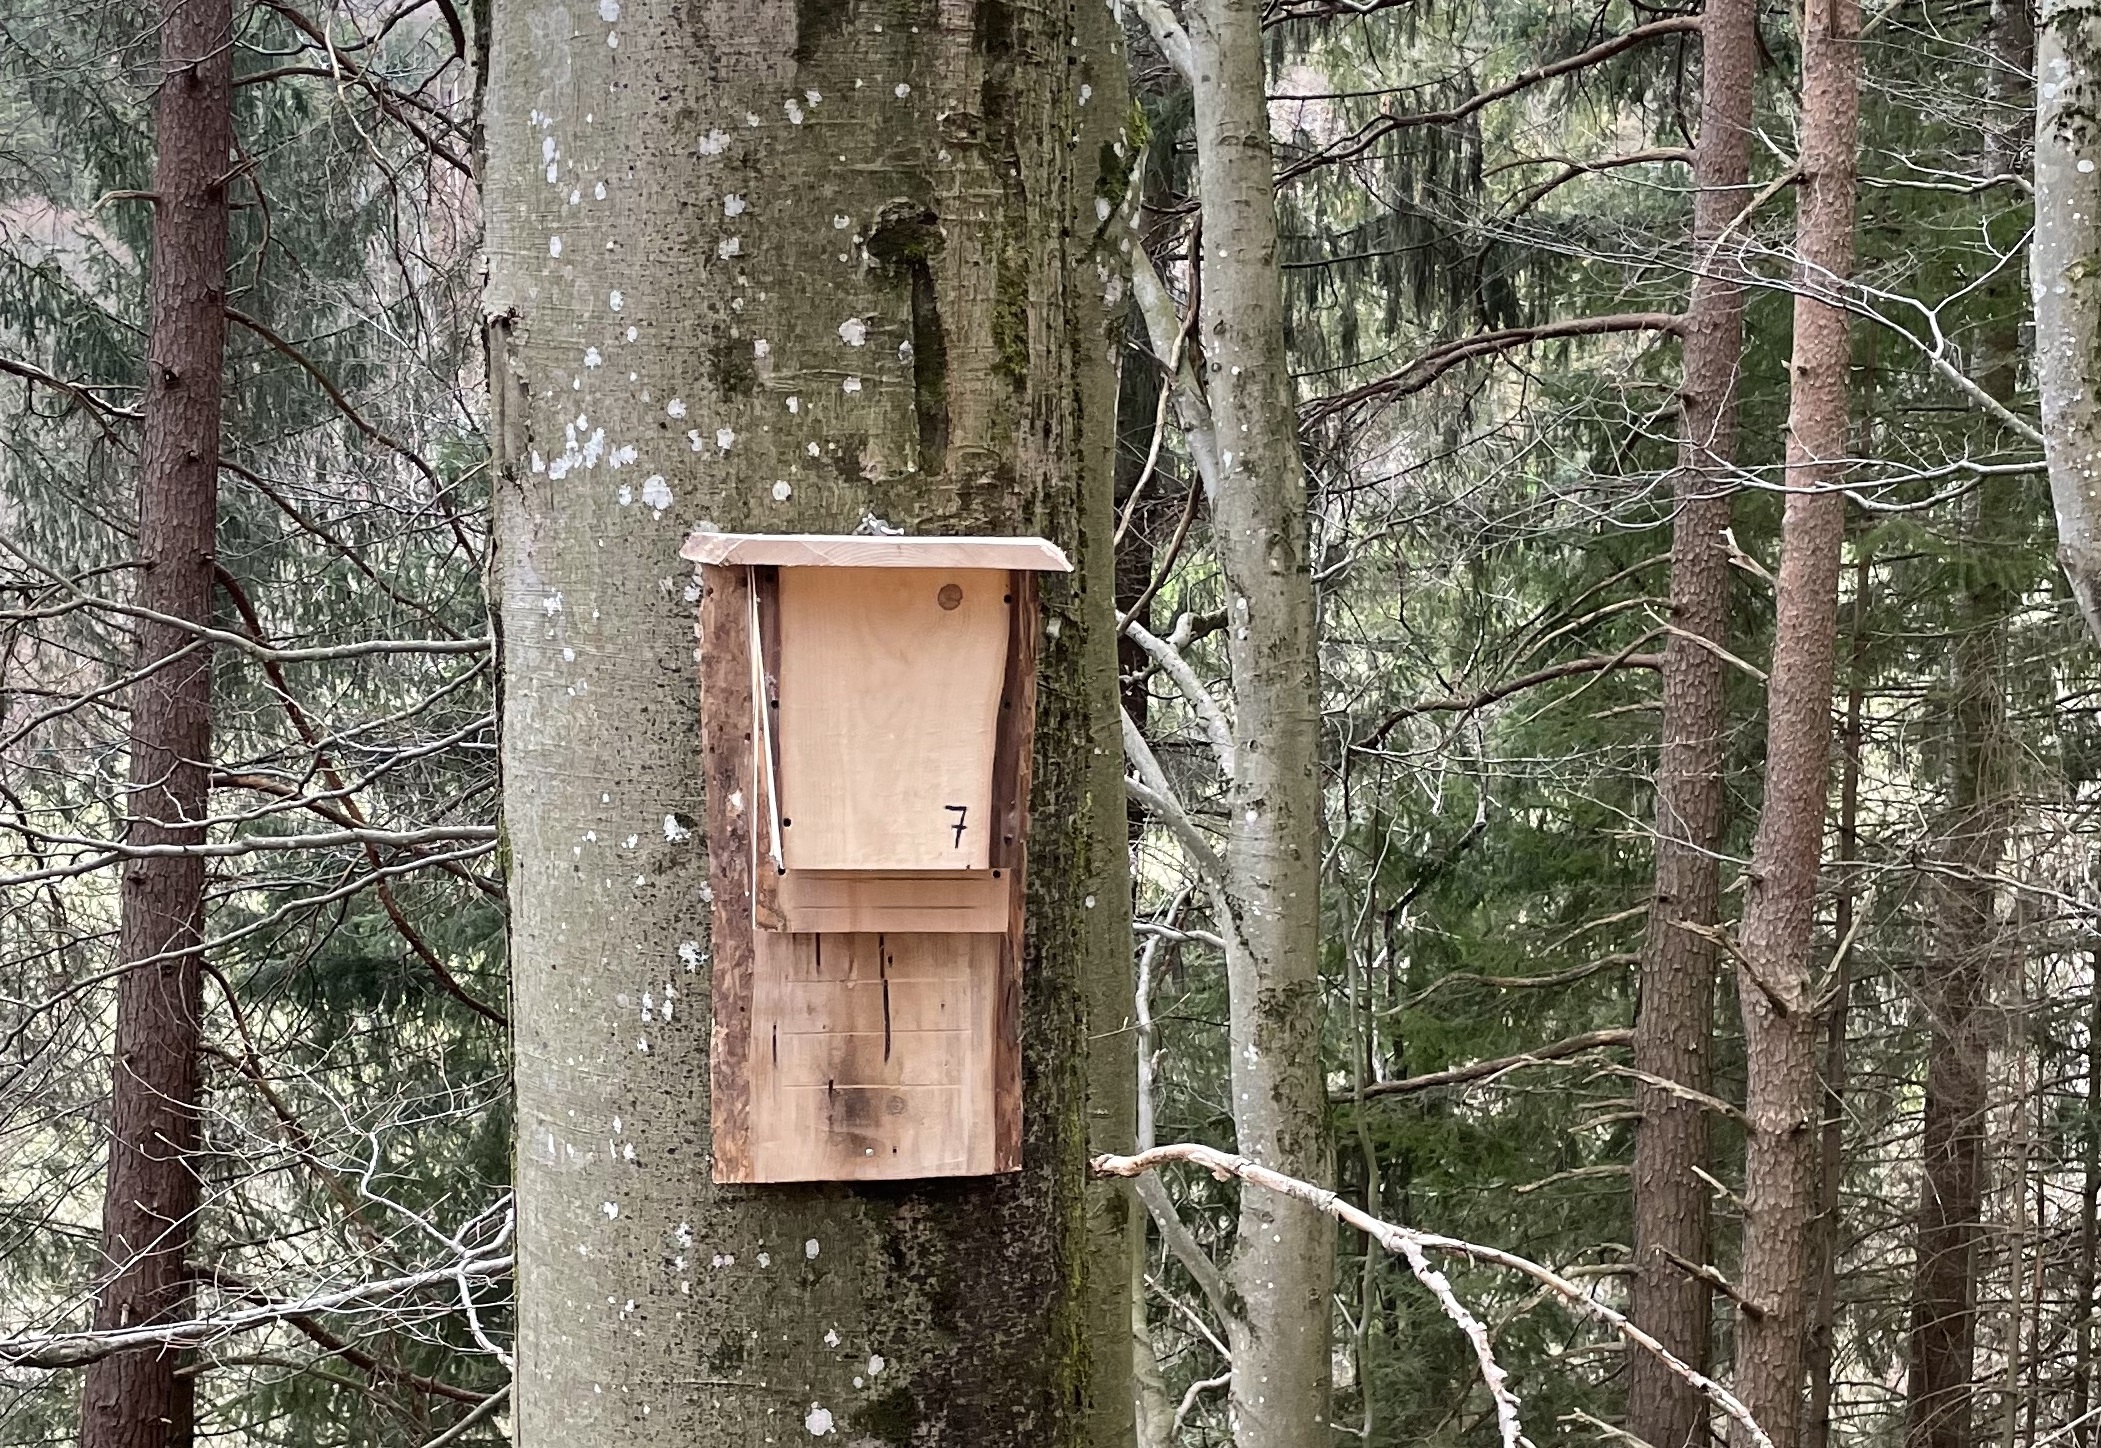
(1243,432)
(777,268)
(1284,1254)
(2066,278)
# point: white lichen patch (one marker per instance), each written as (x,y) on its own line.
(853,332)
(723,438)
(554,246)
(733,205)
(656,493)
(676,407)
(782,491)
(851,384)
(615,300)
(714,143)
(818,1421)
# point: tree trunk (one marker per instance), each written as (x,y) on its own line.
(1955,989)
(1775,984)
(139,1399)
(2089,1210)
(1956,986)
(1673,1029)
(1831,1132)
(2067,284)
(779,267)
(1284,1254)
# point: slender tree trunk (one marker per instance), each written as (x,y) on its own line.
(1775,982)
(2067,285)
(1957,984)
(2089,1211)
(778,267)
(1674,1027)
(139,1399)
(1831,1138)
(1956,990)
(1284,1254)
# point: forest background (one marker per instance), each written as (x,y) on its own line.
(1640,404)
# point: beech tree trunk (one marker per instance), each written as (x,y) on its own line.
(139,1399)
(780,267)
(1674,1026)
(1775,982)
(1284,1253)
(2067,284)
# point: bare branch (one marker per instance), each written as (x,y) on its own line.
(1411,1244)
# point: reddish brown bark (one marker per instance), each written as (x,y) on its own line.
(1955,987)
(137,1399)
(1673,1029)
(1824,1241)
(1775,984)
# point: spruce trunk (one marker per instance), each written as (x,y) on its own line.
(1674,1028)
(141,1399)
(780,268)
(1775,981)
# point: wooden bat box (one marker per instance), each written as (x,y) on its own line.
(867,706)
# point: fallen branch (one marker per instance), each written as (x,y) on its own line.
(77,1349)
(1413,1245)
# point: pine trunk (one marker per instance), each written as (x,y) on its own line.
(1284,1253)
(780,267)
(1674,1027)
(140,1399)
(1775,983)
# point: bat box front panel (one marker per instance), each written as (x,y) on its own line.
(889,703)
(875,1057)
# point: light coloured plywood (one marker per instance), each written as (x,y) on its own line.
(890,683)
(843,902)
(873,1056)
(852,550)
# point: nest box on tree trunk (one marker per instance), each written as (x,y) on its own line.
(867,707)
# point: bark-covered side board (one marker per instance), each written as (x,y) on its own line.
(767,267)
